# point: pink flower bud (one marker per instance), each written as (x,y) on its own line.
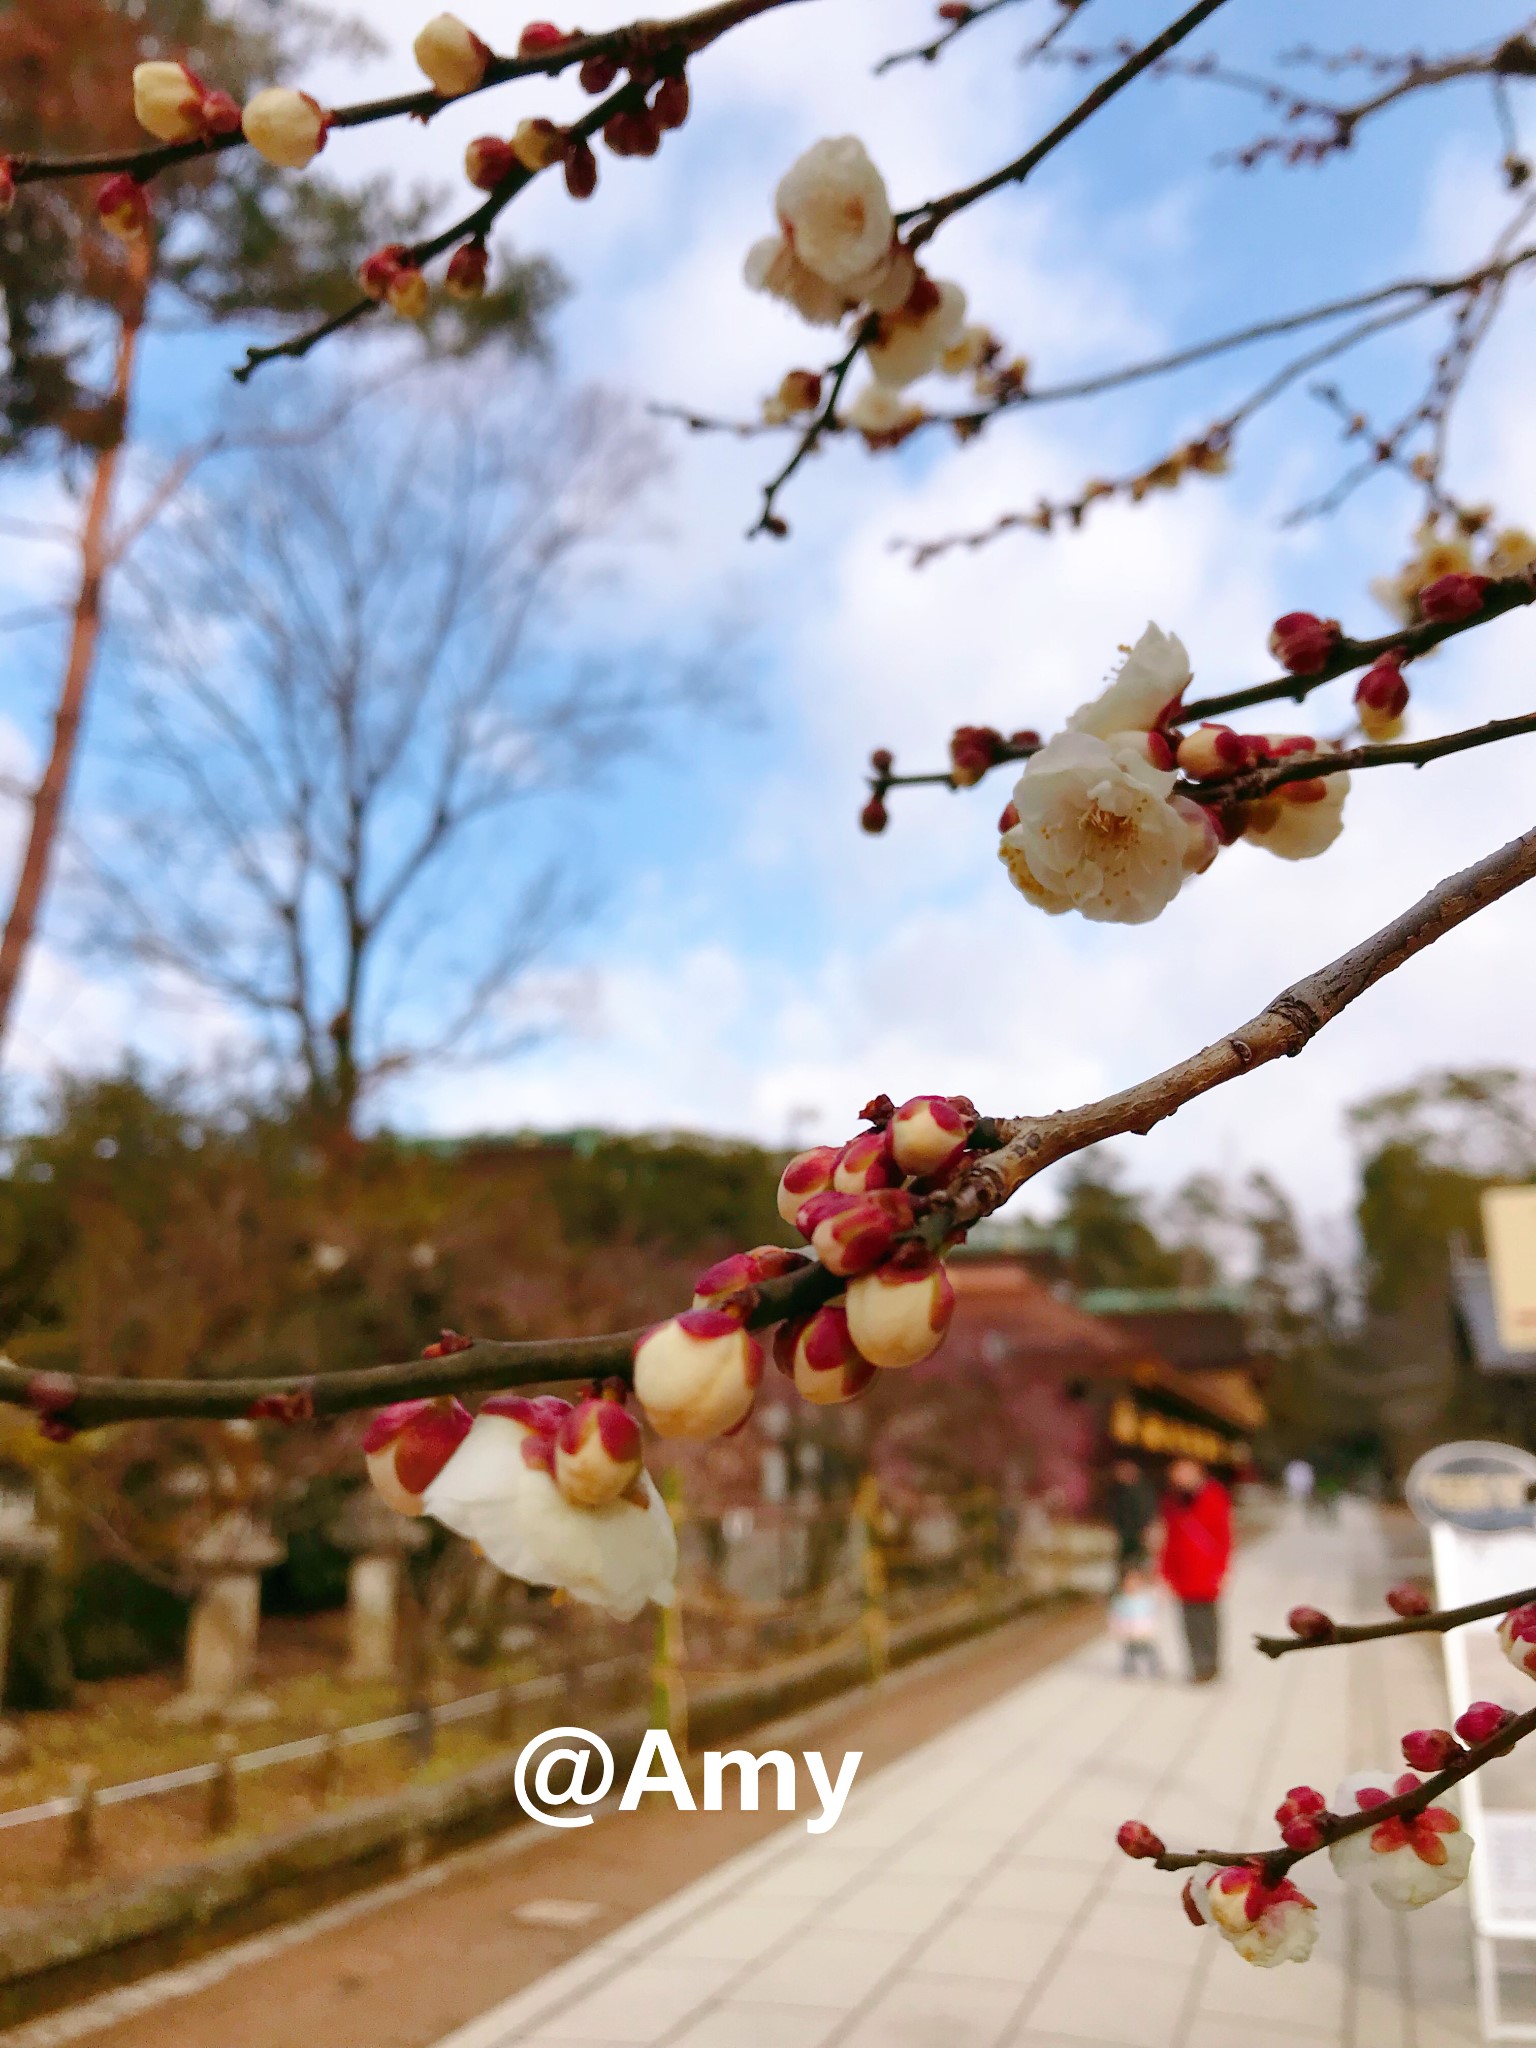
(696,1376)
(466,273)
(1211,751)
(1303,1835)
(1310,1623)
(821,1358)
(539,38)
(900,1315)
(123,207)
(1381,698)
(1481,1722)
(407,1444)
(288,128)
(874,817)
(487,161)
(1302,1801)
(7,185)
(1453,598)
(451,55)
(865,1162)
(882,760)
(1302,642)
(807,1174)
(972,751)
(537,144)
(672,101)
(928,1134)
(1430,1749)
(1517,1638)
(1408,1600)
(580,168)
(1137,1840)
(598,73)
(597,1453)
(851,1233)
(732,1276)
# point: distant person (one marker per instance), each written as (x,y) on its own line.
(1299,1482)
(1197,1548)
(1132,1510)
(1133,1623)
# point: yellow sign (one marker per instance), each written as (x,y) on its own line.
(1509,1231)
(1166,1436)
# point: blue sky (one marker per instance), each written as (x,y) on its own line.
(758,966)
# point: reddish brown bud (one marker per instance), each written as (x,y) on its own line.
(297,1405)
(448,1344)
(1430,1749)
(878,1111)
(487,161)
(1137,1840)
(7,185)
(1310,1623)
(882,760)
(598,73)
(874,817)
(466,273)
(1302,642)
(1009,816)
(972,751)
(1302,1835)
(1408,1600)
(580,168)
(377,273)
(1026,736)
(1453,598)
(672,101)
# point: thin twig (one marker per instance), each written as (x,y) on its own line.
(1259,782)
(1437,1622)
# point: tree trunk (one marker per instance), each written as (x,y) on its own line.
(84,640)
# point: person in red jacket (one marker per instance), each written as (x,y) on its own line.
(1197,1548)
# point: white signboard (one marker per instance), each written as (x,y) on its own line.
(1509,1232)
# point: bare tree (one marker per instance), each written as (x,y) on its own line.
(352,668)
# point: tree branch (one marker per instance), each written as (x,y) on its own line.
(1024,1147)
(1437,1622)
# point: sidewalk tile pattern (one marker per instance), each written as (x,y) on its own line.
(972,1897)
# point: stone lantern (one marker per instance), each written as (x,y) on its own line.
(226,1561)
(378,1542)
(24,1544)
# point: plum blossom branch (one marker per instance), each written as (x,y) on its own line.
(1334,1827)
(1404,754)
(958,16)
(1008,1153)
(1345,655)
(684,35)
(1327,1634)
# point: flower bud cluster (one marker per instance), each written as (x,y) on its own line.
(696,1375)
(837,251)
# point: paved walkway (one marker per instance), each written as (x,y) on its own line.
(971,1896)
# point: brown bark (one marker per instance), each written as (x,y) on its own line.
(96,561)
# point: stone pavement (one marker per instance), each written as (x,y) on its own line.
(971,1896)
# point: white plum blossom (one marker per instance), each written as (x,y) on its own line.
(1096,831)
(834,210)
(1267,1924)
(882,416)
(288,128)
(773,267)
(1153,674)
(914,341)
(498,1496)
(1406,1862)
